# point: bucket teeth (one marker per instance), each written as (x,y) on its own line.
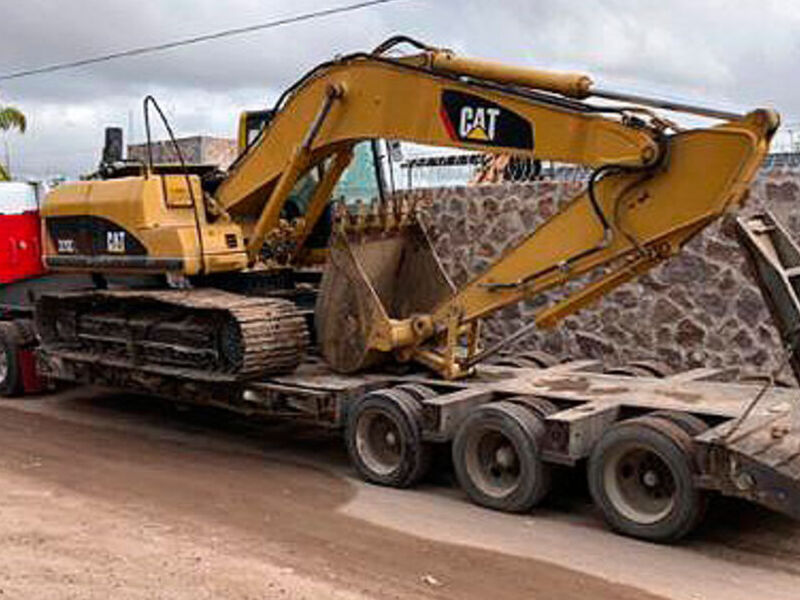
(382,217)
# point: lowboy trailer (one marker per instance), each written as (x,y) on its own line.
(656,446)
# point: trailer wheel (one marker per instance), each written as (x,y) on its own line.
(10,375)
(384,439)
(641,476)
(530,359)
(417,391)
(692,425)
(654,368)
(540,358)
(628,371)
(497,457)
(640,368)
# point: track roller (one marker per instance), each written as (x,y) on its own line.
(641,475)
(497,457)
(384,438)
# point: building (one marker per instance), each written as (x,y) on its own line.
(198,149)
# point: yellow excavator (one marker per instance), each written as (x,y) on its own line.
(233,261)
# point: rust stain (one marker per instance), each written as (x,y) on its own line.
(565,384)
(608,391)
(687,397)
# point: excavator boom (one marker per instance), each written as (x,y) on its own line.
(650,192)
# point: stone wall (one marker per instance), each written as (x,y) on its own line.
(701,308)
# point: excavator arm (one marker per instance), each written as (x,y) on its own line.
(650,192)
(368,96)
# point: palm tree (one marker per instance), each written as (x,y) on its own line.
(10,118)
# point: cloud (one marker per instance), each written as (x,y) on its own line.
(740,55)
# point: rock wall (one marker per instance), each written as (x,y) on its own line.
(701,308)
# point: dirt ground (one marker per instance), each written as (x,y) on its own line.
(111,496)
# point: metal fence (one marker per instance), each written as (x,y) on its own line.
(423,167)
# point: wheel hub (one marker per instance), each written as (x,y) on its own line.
(379,441)
(650,479)
(391,439)
(493,462)
(505,457)
(640,484)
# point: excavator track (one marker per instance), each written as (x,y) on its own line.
(203,332)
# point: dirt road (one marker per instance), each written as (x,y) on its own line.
(111,496)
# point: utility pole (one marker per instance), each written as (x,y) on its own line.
(7,160)
(129,135)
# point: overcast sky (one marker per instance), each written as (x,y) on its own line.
(735,54)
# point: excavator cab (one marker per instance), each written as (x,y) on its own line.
(251,124)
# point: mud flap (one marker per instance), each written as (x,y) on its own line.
(31,380)
(368,280)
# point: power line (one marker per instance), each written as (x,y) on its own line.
(193,40)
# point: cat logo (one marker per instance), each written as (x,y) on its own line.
(472,119)
(478,123)
(115,242)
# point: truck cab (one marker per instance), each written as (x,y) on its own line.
(20,231)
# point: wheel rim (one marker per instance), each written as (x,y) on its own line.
(3,365)
(639,483)
(379,442)
(492,462)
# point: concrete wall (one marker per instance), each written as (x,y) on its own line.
(699,309)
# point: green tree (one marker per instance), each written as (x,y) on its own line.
(10,118)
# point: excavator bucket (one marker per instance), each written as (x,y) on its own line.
(368,279)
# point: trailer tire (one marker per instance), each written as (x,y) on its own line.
(540,358)
(497,457)
(692,425)
(10,374)
(641,475)
(384,439)
(628,371)
(417,391)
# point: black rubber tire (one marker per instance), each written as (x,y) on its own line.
(540,358)
(417,391)
(541,407)
(10,375)
(397,409)
(655,368)
(673,448)
(511,424)
(692,425)
(629,371)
